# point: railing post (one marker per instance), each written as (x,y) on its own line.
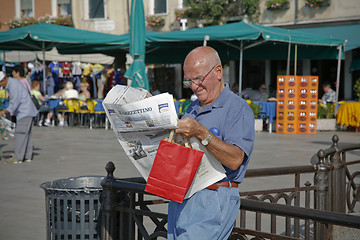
(321,193)
(108,201)
(338,180)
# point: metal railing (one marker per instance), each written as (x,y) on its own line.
(299,212)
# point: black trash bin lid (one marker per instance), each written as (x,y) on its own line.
(82,183)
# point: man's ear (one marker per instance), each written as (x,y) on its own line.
(219,70)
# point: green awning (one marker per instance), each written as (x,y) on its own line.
(355,65)
(258,42)
(350,33)
(43,37)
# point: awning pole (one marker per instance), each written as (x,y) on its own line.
(206,38)
(338,78)
(240,68)
(288,59)
(44,70)
(4,63)
(295,67)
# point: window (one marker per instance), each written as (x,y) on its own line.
(160,6)
(27,8)
(64,7)
(96,9)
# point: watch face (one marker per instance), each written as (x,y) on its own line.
(204,142)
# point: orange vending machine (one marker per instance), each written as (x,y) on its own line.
(297,98)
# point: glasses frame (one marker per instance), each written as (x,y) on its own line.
(198,81)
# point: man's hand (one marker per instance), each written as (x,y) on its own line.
(228,154)
(189,127)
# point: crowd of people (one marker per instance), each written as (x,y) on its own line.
(27,104)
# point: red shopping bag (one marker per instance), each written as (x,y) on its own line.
(173,169)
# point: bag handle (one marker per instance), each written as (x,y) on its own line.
(173,139)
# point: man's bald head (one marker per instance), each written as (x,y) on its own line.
(203,68)
(203,55)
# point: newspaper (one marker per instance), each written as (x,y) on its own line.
(141,122)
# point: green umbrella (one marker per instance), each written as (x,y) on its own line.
(136,71)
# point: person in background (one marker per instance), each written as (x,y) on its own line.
(67,93)
(224,123)
(155,89)
(235,88)
(329,94)
(261,95)
(273,93)
(84,94)
(50,83)
(19,73)
(20,102)
(35,91)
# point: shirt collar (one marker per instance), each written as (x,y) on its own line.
(222,98)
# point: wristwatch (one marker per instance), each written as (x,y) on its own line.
(206,141)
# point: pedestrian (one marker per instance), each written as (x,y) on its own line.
(19,73)
(224,123)
(21,103)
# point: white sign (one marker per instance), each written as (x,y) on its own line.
(104,25)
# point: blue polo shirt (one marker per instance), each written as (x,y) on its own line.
(230,119)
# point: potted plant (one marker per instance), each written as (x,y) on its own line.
(357,89)
(209,13)
(317,3)
(154,21)
(26,21)
(326,117)
(256,110)
(277,4)
(179,14)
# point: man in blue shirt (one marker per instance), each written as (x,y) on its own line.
(21,104)
(224,123)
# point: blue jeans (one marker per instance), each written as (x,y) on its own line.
(208,214)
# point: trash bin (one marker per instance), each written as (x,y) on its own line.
(73,208)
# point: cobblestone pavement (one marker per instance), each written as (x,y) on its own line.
(71,152)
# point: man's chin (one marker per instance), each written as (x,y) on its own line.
(201,98)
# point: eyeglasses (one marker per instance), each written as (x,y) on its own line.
(197,81)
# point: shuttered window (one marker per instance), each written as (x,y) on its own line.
(96,9)
(27,8)
(160,6)
(64,7)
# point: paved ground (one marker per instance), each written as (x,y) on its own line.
(71,152)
